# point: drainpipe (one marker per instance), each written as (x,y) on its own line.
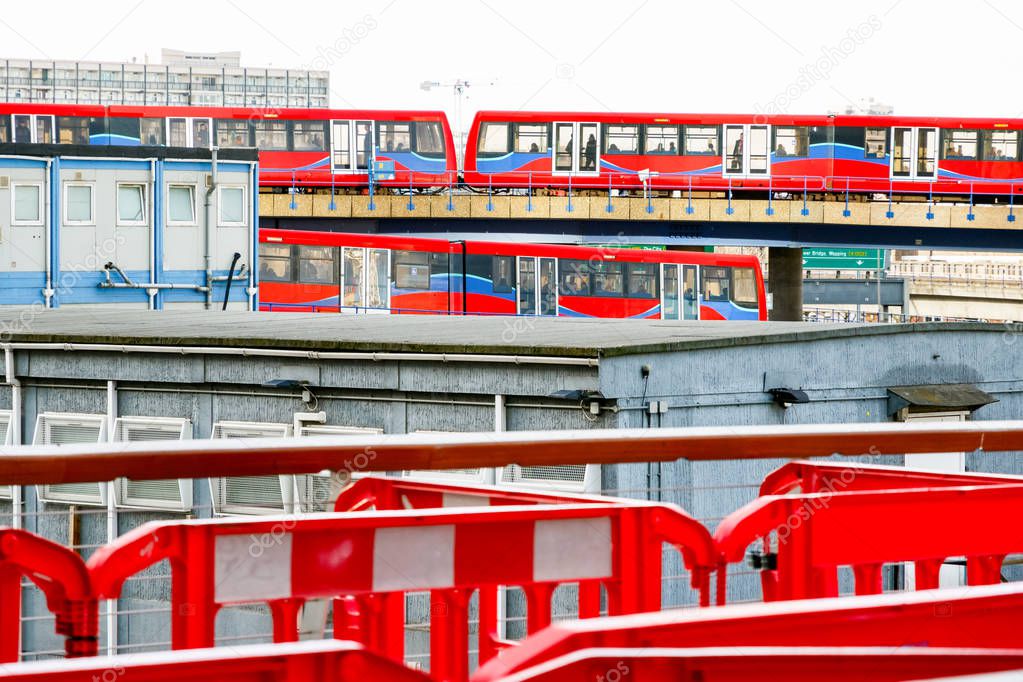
(209,229)
(152,233)
(111,615)
(12,381)
(253,289)
(52,216)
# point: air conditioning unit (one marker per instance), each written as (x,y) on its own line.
(252,494)
(168,494)
(469,476)
(6,438)
(317,492)
(56,428)
(569,478)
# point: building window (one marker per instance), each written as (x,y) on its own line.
(28,204)
(181,205)
(274,263)
(493,139)
(531,138)
(791,141)
(78,204)
(662,139)
(960,145)
(621,139)
(875,145)
(232,205)
(131,204)
(702,140)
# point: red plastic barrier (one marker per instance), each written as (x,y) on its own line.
(810,536)
(979,617)
(805,476)
(323,661)
(369,561)
(63,579)
(402,493)
(792,664)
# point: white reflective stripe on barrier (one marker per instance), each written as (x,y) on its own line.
(459,500)
(413,558)
(572,549)
(252,567)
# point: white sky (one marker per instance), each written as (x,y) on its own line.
(923,57)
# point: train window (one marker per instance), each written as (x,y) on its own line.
(1001,145)
(503,273)
(272,135)
(439,264)
(875,144)
(575,277)
(394,137)
(5,130)
(702,140)
(308,136)
(274,263)
(715,284)
(791,141)
(662,139)
(744,287)
(231,133)
(411,270)
(607,279)
(642,280)
(317,265)
(959,144)
(532,138)
(429,141)
(72,130)
(621,139)
(493,139)
(151,131)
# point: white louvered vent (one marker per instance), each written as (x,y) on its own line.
(167,494)
(448,475)
(252,494)
(55,428)
(574,478)
(317,492)
(6,438)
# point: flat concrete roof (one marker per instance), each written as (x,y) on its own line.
(570,337)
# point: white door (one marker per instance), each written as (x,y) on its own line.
(951,462)
(365,280)
(341,158)
(746,151)
(576,149)
(914,153)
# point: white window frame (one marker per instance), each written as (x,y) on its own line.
(145,205)
(218,490)
(193,193)
(6,491)
(14,215)
(304,484)
(590,484)
(183,428)
(467,476)
(92,203)
(52,493)
(220,207)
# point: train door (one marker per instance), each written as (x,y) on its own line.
(538,286)
(32,128)
(351,145)
(746,151)
(365,280)
(914,153)
(189,131)
(679,294)
(576,149)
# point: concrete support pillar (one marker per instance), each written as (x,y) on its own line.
(785,282)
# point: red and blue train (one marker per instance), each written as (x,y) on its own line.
(314,271)
(515,151)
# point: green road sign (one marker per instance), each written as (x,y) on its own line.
(843,259)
